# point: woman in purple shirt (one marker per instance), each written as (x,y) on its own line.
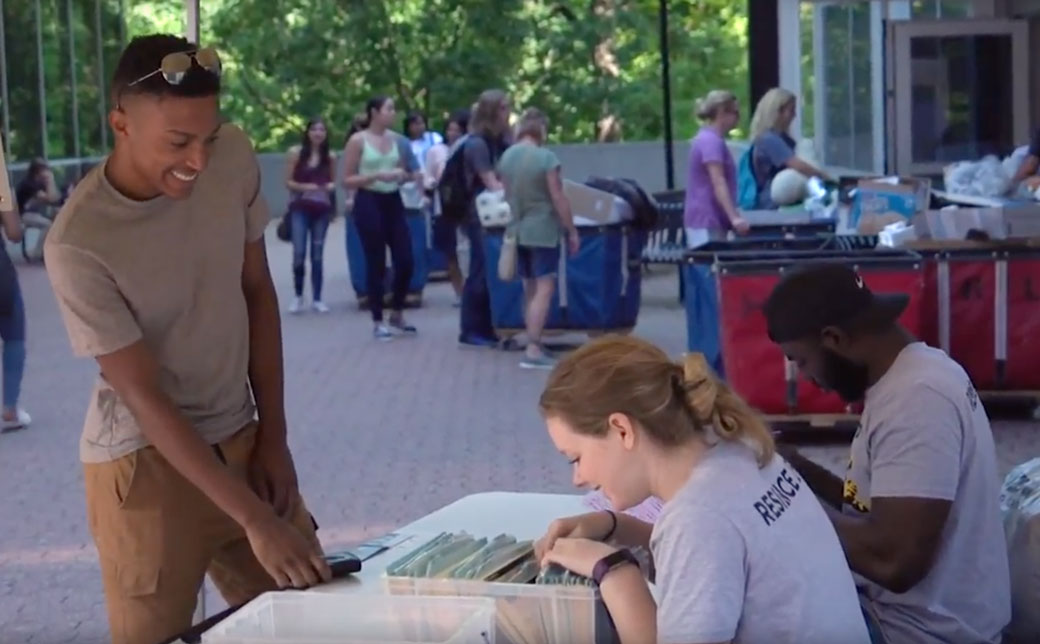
(711,181)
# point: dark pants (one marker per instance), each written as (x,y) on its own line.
(380,221)
(304,225)
(476,301)
(12,331)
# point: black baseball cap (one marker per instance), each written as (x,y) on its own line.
(811,298)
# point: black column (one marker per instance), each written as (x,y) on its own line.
(666,93)
(763,48)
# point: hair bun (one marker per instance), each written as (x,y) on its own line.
(700,387)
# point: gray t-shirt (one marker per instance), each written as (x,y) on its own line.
(924,433)
(480,157)
(770,153)
(748,555)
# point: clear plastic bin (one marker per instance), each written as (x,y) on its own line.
(329,618)
(526,613)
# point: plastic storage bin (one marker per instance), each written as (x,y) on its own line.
(330,618)
(981,307)
(602,286)
(699,293)
(526,613)
(736,285)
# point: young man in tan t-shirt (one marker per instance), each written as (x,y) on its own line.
(160,270)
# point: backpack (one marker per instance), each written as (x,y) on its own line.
(747,184)
(453,190)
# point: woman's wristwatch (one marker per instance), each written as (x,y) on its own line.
(610,562)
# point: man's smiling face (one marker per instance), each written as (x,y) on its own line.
(169,139)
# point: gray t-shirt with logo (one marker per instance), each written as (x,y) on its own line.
(747,555)
(924,433)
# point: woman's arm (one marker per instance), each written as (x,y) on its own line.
(331,185)
(291,159)
(630,605)
(808,169)
(50,193)
(12,225)
(561,204)
(722,192)
(478,156)
(436,158)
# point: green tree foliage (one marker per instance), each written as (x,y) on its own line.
(592,65)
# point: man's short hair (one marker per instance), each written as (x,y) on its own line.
(144,55)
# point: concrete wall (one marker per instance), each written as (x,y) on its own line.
(641,161)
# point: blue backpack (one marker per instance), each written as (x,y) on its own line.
(747,185)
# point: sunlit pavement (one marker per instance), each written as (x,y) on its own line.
(382,434)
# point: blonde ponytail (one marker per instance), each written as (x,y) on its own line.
(673,402)
(718,409)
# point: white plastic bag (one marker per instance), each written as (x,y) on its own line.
(985,178)
(493,209)
(1014,160)
(1020,506)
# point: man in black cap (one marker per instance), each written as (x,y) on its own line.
(917,510)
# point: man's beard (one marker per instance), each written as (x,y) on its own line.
(844,377)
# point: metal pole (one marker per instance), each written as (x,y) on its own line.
(191,20)
(122,24)
(3,83)
(41,88)
(666,91)
(72,79)
(102,81)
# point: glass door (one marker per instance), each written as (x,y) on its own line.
(961,91)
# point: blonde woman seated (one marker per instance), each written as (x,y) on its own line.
(743,551)
(781,167)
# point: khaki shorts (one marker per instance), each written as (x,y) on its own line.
(157,536)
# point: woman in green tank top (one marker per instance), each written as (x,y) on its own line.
(375,168)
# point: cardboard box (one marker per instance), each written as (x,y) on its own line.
(956,223)
(1015,222)
(1022,220)
(594,206)
(881,201)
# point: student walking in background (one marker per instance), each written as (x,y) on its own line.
(711,181)
(12,327)
(541,212)
(773,150)
(375,166)
(419,137)
(481,150)
(446,228)
(309,180)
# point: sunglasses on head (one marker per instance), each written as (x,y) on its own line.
(174,67)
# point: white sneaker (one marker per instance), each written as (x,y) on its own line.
(21,420)
(296,306)
(320,307)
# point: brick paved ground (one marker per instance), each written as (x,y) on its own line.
(382,435)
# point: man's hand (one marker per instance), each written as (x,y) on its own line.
(291,560)
(272,474)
